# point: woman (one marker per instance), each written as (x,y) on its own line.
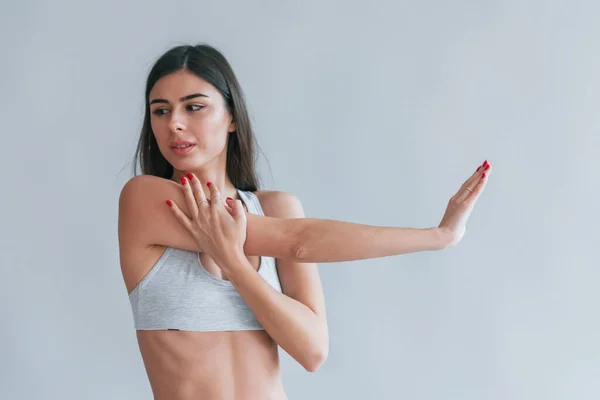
(215,286)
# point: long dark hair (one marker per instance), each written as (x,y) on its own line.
(209,64)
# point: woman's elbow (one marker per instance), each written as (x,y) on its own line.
(317,359)
(300,253)
(297,241)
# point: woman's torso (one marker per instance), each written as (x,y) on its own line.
(219,365)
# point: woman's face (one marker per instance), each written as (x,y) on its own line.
(185,107)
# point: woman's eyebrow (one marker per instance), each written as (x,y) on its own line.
(184,98)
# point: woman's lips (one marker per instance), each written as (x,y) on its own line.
(183,150)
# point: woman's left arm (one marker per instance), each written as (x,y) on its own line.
(296,318)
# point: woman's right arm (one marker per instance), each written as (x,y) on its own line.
(146,220)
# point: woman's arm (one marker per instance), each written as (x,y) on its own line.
(324,240)
(146,220)
(295,317)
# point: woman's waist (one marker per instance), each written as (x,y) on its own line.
(183,363)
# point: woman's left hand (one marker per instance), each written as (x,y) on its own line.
(219,230)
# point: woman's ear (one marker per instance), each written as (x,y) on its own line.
(232,127)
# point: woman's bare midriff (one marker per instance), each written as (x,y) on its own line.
(186,365)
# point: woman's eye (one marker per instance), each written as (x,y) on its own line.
(191,107)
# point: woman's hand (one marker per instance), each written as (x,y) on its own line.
(219,230)
(453,225)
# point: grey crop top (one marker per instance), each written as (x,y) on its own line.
(178,293)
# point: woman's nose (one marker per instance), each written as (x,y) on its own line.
(176,123)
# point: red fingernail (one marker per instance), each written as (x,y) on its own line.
(487,167)
(183,180)
(483,175)
(229,198)
(485,163)
(208,184)
(478,168)
(189,175)
(170,203)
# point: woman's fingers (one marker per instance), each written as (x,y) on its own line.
(228,203)
(474,178)
(237,210)
(196,199)
(479,186)
(468,187)
(180,215)
(215,196)
(199,196)
(189,197)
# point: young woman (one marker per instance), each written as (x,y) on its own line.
(218,272)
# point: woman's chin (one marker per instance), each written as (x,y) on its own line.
(189,164)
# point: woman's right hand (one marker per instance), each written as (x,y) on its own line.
(217,227)
(453,225)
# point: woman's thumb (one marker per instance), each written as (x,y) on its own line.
(238,209)
(228,202)
(235,208)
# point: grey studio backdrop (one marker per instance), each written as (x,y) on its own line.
(368,112)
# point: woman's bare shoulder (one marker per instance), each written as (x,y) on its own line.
(145,219)
(143,183)
(143,191)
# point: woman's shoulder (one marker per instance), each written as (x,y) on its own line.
(144,188)
(140,185)
(280,204)
(145,180)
